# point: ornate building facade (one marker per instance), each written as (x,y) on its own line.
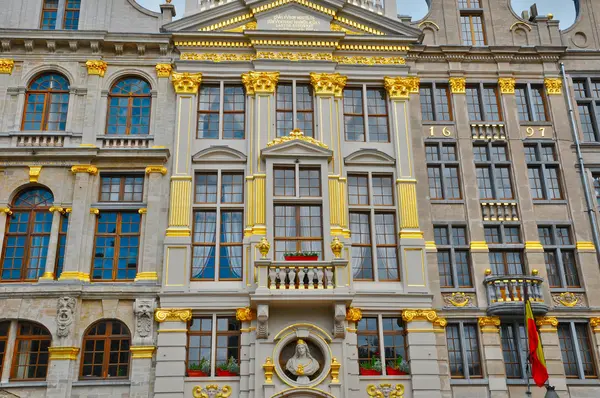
(296,198)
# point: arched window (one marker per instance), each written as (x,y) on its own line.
(30,358)
(47,102)
(27,235)
(129,107)
(106,351)
(4,327)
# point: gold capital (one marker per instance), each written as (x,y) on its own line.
(186,83)
(173,315)
(34,173)
(401,87)
(56,208)
(156,169)
(6,66)
(164,70)
(96,67)
(353,314)
(245,314)
(63,353)
(328,83)
(260,82)
(547,321)
(553,86)
(84,168)
(507,85)
(139,352)
(6,211)
(424,315)
(489,324)
(458,85)
(595,324)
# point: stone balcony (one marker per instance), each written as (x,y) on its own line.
(305,280)
(505,294)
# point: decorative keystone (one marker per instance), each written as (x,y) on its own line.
(34,173)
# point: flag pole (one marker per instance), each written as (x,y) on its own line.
(528,367)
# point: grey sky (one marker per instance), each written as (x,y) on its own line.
(563,10)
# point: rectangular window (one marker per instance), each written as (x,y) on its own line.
(301,105)
(218,226)
(307,185)
(49,14)
(373,226)
(596,178)
(543,169)
(531,103)
(506,249)
(443,171)
(71,17)
(121,188)
(221,111)
(116,247)
(62,245)
(483,102)
(514,349)
(453,256)
(492,168)
(559,253)
(587,94)
(471,23)
(576,349)
(298,228)
(374,101)
(382,346)
(435,102)
(206,343)
(463,350)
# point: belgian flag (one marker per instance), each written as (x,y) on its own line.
(536,353)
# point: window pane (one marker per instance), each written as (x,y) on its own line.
(445,268)
(491,104)
(535,182)
(199,352)
(232,234)
(538,105)
(455,357)
(304,109)
(234,108)
(204,245)
(385,232)
(473,104)
(522,108)
(285,110)
(510,352)
(368,341)
(394,344)
(567,348)
(206,188)
(425,95)
(378,120)
(587,358)
(232,188)
(472,349)
(358,190)
(354,114)
(285,182)
(382,191)
(442,103)
(362,259)
(208,107)
(434,176)
(587,125)
(310,182)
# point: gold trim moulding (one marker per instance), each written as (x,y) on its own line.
(174,232)
(59,209)
(279,3)
(142,352)
(430,246)
(6,211)
(172,315)
(156,169)
(293,57)
(479,246)
(586,246)
(47,276)
(534,246)
(172,330)
(63,353)
(411,235)
(146,276)
(74,275)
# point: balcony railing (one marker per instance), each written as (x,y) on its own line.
(499,211)
(276,278)
(488,131)
(506,293)
(126,142)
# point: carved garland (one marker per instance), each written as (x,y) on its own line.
(423,315)
(211,391)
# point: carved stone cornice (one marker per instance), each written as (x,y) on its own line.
(164,70)
(173,315)
(328,83)
(260,82)
(6,66)
(458,85)
(84,168)
(401,87)
(245,314)
(97,67)
(553,86)
(507,85)
(186,83)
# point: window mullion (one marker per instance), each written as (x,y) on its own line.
(484,115)
(213,346)
(573,332)
(381,344)
(532,114)
(374,258)
(218,227)
(520,350)
(434,102)
(294,105)
(365,112)
(129,115)
(221,107)
(561,267)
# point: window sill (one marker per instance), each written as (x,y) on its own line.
(567,289)
(550,202)
(583,382)
(439,123)
(519,382)
(446,202)
(21,384)
(118,206)
(104,382)
(223,378)
(469,382)
(533,124)
(381,377)
(461,289)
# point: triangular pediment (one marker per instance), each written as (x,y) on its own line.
(293,15)
(219,154)
(369,157)
(296,148)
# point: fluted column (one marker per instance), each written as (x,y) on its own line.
(329,90)
(57,213)
(412,242)
(178,241)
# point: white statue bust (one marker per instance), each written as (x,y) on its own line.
(302,364)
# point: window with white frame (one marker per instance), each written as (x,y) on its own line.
(294,108)
(366,114)
(221,111)
(453,256)
(464,356)
(577,352)
(218,225)
(382,346)
(559,254)
(373,227)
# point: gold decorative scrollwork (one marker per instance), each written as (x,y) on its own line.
(567,299)
(385,391)
(186,83)
(423,315)
(458,85)
(156,169)
(507,85)
(595,324)
(217,57)
(459,299)
(546,321)
(245,314)
(96,68)
(553,86)
(260,82)
(173,315)
(401,87)
(353,314)
(328,83)
(211,391)
(296,134)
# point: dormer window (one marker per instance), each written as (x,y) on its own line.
(67,20)
(471,22)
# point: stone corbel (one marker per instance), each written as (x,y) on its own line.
(64,315)
(262,316)
(143,308)
(339,327)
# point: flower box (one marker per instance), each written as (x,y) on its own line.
(225,373)
(301,258)
(369,372)
(394,372)
(196,373)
